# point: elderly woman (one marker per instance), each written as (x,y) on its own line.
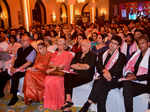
(54,83)
(35,76)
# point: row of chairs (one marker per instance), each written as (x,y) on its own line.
(115,101)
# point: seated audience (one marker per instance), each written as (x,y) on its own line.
(110,66)
(24,58)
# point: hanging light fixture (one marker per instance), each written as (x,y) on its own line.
(80,1)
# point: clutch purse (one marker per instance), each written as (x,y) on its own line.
(57,73)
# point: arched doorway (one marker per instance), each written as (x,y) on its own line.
(5,20)
(39,13)
(85,13)
(63,13)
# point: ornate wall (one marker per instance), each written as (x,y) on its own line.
(53,10)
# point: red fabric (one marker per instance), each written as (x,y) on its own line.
(76,49)
(34,80)
(54,95)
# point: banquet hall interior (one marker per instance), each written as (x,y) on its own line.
(51,23)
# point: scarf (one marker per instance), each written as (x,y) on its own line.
(132,49)
(113,59)
(143,67)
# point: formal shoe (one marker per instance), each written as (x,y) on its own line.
(13,101)
(67,105)
(85,107)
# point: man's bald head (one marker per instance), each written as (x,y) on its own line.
(85,45)
(86,42)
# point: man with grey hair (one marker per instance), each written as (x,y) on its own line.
(24,58)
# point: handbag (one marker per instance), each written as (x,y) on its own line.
(57,73)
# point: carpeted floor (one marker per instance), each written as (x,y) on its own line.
(21,107)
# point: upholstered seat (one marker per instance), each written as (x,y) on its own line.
(115,101)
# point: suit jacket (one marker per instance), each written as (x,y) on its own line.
(117,69)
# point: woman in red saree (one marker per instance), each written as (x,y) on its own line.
(35,76)
(54,95)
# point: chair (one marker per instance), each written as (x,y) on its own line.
(80,95)
(140,103)
(115,101)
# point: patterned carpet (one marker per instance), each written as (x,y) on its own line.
(21,107)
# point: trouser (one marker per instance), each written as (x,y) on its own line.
(130,90)
(71,81)
(4,77)
(15,82)
(100,90)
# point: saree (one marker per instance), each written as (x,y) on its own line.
(34,79)
(54,95)
(133,48)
